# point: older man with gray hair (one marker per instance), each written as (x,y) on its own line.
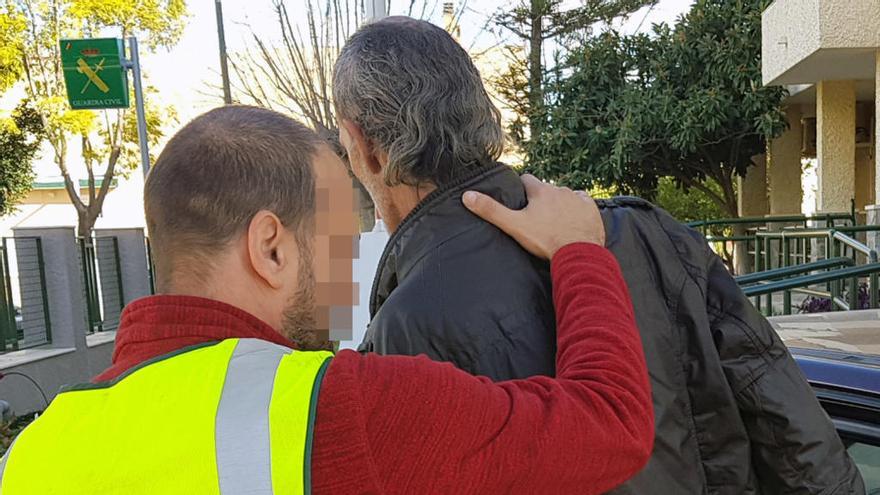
(420,129)
(733,413)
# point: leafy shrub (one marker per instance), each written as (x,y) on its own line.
(823,304)
(10,429)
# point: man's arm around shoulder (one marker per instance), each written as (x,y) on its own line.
(435,429)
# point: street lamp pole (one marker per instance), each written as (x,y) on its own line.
(224,68)
(375,9)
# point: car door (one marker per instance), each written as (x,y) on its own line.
(856,415)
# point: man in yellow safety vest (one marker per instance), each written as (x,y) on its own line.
(252,225)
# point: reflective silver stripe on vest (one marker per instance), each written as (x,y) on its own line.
(3,464)
(244,462)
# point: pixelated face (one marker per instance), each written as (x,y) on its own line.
(335,246)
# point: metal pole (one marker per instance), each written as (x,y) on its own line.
(786,261)
(134,64)
(375,9)
(874,293)
(759,265)
(835,284)
(8,329)
(768,264)
(224,68)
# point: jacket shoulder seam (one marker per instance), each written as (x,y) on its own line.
(688,269)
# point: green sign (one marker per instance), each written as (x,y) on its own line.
(94,74)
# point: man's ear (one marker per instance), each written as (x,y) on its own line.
(265,240)
(364,146)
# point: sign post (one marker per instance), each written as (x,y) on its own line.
(95,73)
(134,63)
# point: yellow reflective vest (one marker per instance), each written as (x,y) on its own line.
(232,417)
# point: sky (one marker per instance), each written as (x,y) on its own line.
(184,74)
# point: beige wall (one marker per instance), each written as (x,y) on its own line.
(752,197)
(46,197)
(784,167)
(876,124)
(836,147)
(789,34)
(806,41)
(52,197)
(865,163)
(864,176)
(849,23)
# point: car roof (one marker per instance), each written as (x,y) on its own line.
(859,373)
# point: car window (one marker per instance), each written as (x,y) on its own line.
(867,458)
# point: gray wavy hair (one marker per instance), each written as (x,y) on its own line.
(416,94)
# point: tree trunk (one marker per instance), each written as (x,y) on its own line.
(742,262)
(536,69)
(86,220)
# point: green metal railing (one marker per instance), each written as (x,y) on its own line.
(794,254)
(740,233)
(24,300)
(791,271)
(90,279)
(830,277)
(9,335)
(786,255)
(830,220)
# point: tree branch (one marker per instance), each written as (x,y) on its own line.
(72,190)
(87,159)
(689,182)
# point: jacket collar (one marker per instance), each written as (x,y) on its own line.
(437,218)
(150,320)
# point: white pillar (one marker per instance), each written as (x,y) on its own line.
(876,126)
(874,210)
(836,144)
(751,202)
(784,167)
(752,197)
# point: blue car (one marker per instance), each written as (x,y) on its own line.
(840,355)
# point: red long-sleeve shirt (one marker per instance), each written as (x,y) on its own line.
(395,424)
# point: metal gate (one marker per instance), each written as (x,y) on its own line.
(102,282)
(24,304)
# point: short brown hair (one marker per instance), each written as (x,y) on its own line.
(216,173)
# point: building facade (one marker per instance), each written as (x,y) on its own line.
(827,54)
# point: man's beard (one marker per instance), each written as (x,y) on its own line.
(300,322)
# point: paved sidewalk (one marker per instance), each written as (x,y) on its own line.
(846,331)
